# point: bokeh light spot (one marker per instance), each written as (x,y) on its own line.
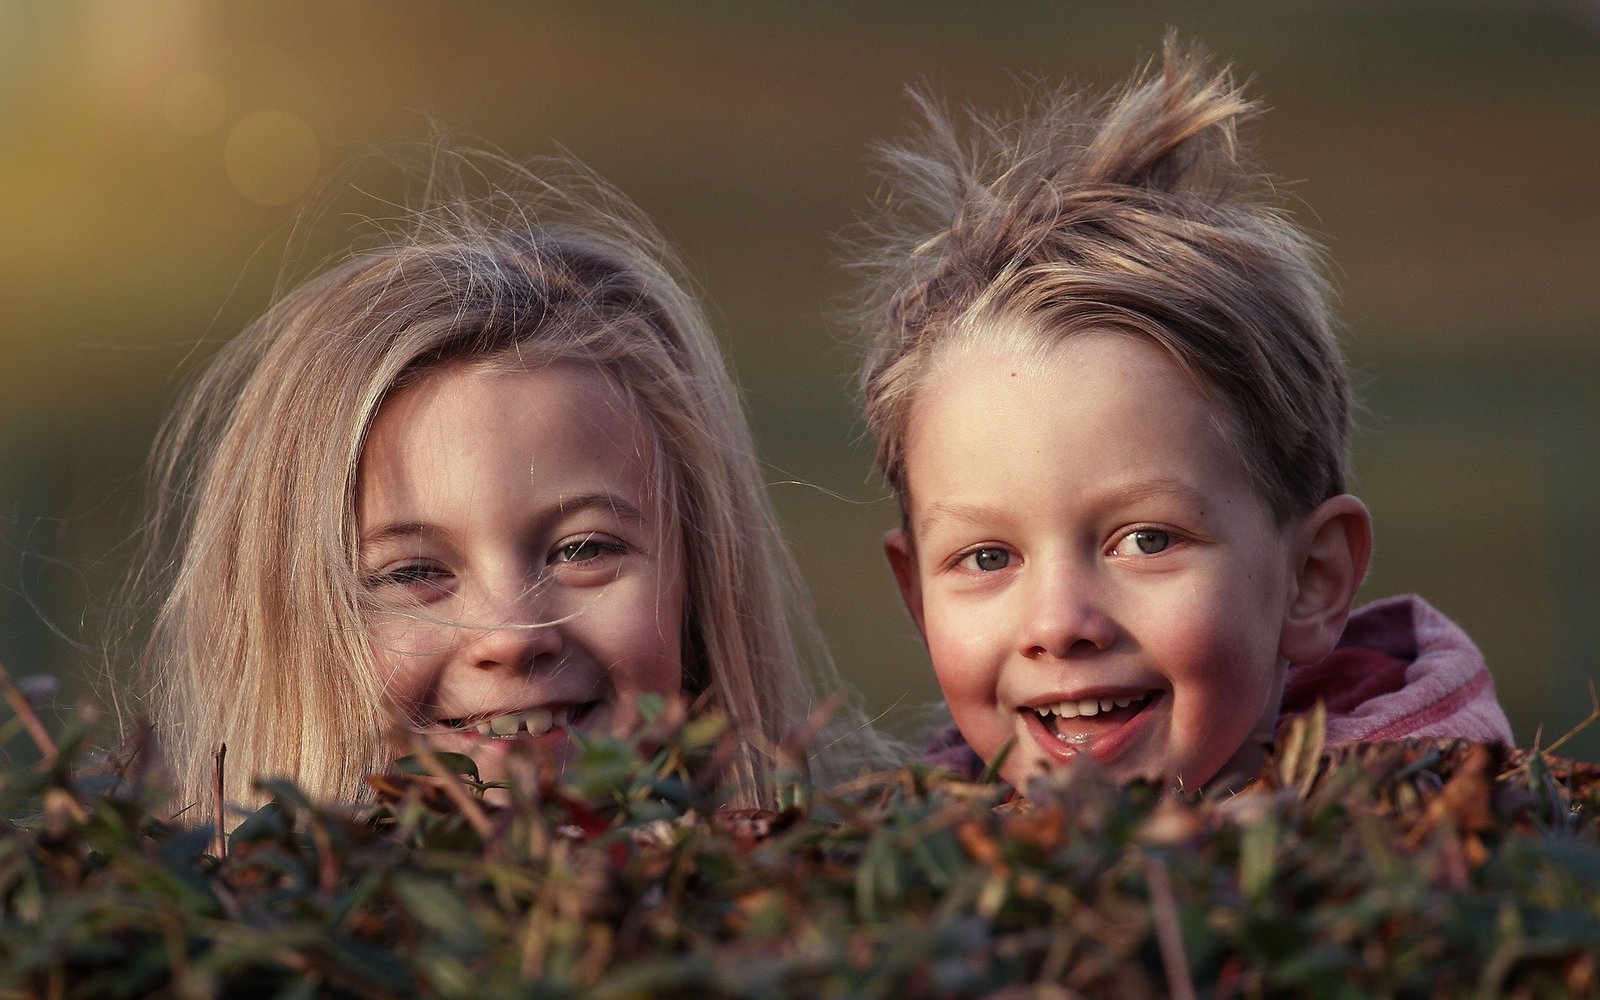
(272,157)
(194,103)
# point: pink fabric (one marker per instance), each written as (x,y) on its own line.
(948,751)
(1400,669)
(1415,671)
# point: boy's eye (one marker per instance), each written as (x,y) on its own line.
(988,560)
(1144,541)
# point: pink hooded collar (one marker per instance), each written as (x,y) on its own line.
(1400,669)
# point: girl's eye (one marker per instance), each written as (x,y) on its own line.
(586,550)
(988,560)
(1143,541)
(410,576)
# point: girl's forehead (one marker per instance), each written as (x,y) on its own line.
(471,407)
(467,449)
(500,381)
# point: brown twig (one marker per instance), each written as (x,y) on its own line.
(218,818)
(48,751)
(1593,717)
(1169,937)
(327,863)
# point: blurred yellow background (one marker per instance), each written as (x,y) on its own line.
(154,159)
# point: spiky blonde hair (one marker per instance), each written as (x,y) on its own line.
(1135,212)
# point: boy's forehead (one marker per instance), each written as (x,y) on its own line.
(987,399)
(1027,343)
(1007,351)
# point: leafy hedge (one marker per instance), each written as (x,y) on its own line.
(1402,869)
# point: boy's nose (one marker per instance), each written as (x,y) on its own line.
(512,633)
(1065,616)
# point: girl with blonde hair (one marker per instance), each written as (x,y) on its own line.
(490,481)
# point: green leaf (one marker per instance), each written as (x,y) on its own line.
(455,763)
(441,909)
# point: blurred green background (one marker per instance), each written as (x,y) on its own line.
(154,157)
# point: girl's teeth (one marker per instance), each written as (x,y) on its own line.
(535,722)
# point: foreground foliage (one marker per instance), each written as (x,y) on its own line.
(1406,869)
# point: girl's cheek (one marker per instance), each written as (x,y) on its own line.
(404,670)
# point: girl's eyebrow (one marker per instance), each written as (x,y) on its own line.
(600,500)
(398,529)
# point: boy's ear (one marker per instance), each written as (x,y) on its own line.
(902,553)
(1332,548)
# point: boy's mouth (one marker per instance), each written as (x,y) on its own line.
(529,722)
(1080,721)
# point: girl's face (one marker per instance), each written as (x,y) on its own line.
(1090,564)
(524,578)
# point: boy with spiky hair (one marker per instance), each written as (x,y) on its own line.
(1106,389)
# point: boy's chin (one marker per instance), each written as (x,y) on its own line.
(1232,776)
(1241,769)
(1021,771)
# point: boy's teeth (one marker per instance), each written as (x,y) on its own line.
(1088,706)
(535,721)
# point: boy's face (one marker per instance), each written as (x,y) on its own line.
(1089,563)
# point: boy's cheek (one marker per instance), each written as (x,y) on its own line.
(980,726)
(968,644)
(967,670)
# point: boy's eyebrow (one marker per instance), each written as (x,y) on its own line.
(955,511)
(1116,496)
(1147,489)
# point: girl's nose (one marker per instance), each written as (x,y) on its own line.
(1065,615)
(511,634)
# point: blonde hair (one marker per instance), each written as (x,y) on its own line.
(260,641)
(1138,213)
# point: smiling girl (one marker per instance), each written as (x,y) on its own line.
(489,482)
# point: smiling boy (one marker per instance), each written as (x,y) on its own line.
(1107,392)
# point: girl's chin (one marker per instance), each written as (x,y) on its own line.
(502,758)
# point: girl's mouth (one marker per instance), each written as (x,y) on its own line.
(1080,722)
(530,722)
